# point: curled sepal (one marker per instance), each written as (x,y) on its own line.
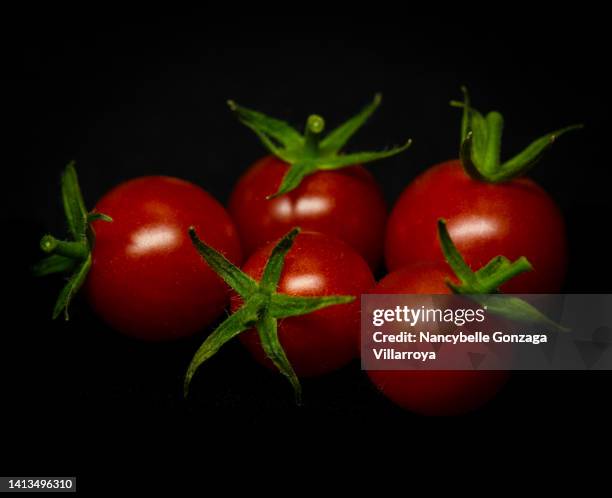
(480,149)
(70,256)
(465,116)
(311,151)
(483,285)
(93,216)
(263,307)
(267,327)
(71,288)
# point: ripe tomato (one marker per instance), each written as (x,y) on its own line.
(308,182)
(316,265)
(432,392)
(515,218)
(346,203)
(146,280)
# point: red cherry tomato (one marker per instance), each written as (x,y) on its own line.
(146,279)
(316,265)
(516,218)
(345,203)
(432,392)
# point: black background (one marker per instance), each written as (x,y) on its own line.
(128,98)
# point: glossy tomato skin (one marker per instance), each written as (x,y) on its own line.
(513,219)
(345,203)
(432,392)
(327,339)
(147,280)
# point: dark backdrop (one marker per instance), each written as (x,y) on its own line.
(127,98)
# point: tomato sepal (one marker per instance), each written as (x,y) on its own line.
(262,308)
(480,145)
(267,328)
(238,322)
(242,283)
(53,264)
(309,152)
(483,285)
(283,306)
(70,256)
(75,282)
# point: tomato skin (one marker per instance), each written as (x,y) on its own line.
(432,392)
(513,219)
(147,280)
(346,203)
(327,339)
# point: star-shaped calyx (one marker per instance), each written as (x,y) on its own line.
(480,148)
(310,152)
(71,256)
(483,285)
(263,307)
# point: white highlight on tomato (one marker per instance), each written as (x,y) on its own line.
(152,238)
(303,283)
(472,227)
(312,206)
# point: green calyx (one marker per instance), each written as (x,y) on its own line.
(480,148)
(263,307)
(70,256)
(483,285)
(311,151)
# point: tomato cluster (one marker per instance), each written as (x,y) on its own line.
(158,256)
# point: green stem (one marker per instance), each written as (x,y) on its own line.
(312,134)
(70,249)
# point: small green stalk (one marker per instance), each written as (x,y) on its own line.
(311,152)
(312,134)
(483,285)
(263,307)
(75,250)
(70,256)
(480,149)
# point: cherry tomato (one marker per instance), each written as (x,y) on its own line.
(516,218)
(346,203)
(316,265)
(146,279)
(432,392)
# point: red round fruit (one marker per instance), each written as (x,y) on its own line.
(515,218)
(432,392)
(146,279)
(316,265)
(345,203)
